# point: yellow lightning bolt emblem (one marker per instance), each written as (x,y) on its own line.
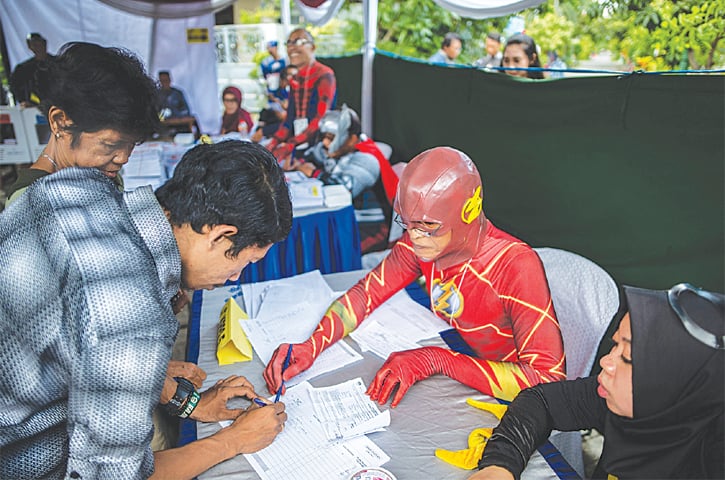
(442,302)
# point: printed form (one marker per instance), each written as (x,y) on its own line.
(303,452)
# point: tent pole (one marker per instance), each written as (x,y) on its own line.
(286,18)
(370,29)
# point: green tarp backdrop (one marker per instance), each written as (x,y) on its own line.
(626,171)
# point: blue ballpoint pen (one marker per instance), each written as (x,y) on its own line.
(260,402)
(284,367)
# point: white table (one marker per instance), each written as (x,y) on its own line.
(433,414)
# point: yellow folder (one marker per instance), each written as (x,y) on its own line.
(232,343)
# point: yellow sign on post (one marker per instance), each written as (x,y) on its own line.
(232,343)
(197,35)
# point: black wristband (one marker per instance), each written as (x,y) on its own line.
(184,391)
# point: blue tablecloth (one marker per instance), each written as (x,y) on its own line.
(328,241)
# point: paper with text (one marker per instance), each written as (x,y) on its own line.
(396,325)
(302,452)
(346,411)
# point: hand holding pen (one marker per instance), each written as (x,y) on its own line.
(285,366)
(287,361)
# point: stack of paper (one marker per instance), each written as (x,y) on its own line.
(302,451)
(144,167)
(336,196)
(294,309)
(346,411)
(396,325)
(307,193)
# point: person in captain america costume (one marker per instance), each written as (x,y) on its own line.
(487,284)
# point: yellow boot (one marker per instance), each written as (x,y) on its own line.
(469,457)
(495,408)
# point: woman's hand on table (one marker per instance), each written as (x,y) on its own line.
(492,473)
(300,360)
(213,403)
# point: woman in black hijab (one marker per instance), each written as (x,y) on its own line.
(659,400)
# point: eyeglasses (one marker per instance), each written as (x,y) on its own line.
(229,100)
(297,42)
(422,229)
(327,136)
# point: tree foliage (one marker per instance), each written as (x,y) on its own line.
(645,34)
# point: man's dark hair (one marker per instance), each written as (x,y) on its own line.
(448,39)
(230,183)
(495,36)
(100,88)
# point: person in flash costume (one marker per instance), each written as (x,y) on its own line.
(488,285)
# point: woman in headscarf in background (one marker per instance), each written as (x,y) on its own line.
(235,118)
(658,401)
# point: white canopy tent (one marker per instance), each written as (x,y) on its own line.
(157,31)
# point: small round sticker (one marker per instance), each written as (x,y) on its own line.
(375,473)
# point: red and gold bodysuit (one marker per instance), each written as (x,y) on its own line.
(498,301)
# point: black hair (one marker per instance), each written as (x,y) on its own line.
(306,32)
(448,39)
(529,47)
(100,88)
(495,36)
(230,183)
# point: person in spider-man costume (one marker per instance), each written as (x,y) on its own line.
(487,284)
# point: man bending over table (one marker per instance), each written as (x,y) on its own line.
(87,275)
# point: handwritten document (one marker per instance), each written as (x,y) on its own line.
(303,452)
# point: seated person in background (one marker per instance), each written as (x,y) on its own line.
(82,377)
(172,103)
(493,52)
(450,49)
(485,283)
(658,401)
(520,52)
(271,117)
(235,118)
(555,63)
(312,94)
(345,156)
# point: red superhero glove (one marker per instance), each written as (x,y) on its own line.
(330,329)
(499,379)
(301,359)
(403,369)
